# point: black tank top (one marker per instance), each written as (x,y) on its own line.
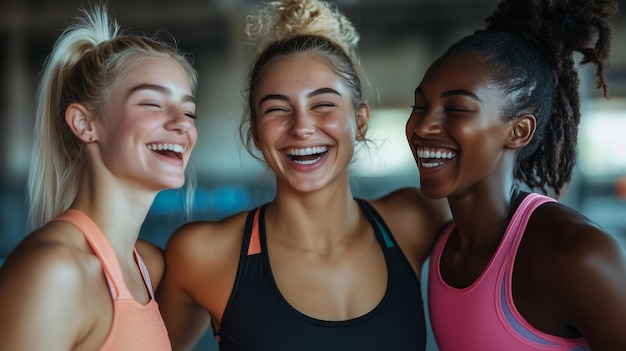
(258,317)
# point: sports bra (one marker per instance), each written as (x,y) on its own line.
(258,317)
(483,315)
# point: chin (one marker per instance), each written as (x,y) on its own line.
(432,191)
(173,183)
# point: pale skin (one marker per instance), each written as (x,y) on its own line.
(319,242)
(53,294)
(569,278)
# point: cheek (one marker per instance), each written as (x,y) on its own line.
(409,128)
(193,136)
(268,131)
(342,126)
(483,143)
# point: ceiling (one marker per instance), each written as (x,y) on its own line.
(204,22)
(399,38)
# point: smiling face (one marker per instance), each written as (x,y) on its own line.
(146,132)
(455,130)
(306,122)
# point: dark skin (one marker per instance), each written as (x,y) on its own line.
(569,278)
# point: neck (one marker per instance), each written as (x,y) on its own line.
(482,217)
(117,210)
(314,221)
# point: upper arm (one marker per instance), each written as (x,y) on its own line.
(41,295)
(201,263)
(184,318)
(588,276)
(598,289)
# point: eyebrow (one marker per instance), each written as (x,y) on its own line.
(453,92)
(316,92)
(161,89)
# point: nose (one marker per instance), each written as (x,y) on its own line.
(423,122)
(302,124)
(179,120)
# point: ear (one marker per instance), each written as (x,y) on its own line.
(362,121)
(521,131)
(79,119)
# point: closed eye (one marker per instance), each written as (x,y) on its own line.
(458,110)
(274,109)
(151,104)
(324,105)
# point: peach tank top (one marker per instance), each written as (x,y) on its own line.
(134,326)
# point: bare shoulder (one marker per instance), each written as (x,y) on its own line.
(414,220)
(584,269)
(154,259)
(566,234)
(410,211)
(207,241)
(206,248)
(411,201)
(56,248)
(50,276)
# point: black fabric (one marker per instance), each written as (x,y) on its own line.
(257,317)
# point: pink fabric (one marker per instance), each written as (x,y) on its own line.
(483,316)
(135,326)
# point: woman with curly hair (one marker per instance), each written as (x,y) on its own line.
(115,125)
(517,270)
(315,268)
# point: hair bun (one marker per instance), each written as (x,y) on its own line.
(279,20)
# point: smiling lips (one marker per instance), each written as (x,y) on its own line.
(434,157)
(306,156)
(167,149)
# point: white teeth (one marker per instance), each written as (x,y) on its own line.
(166,146)
(430,164)
(307,151)
(432,153)
(306,162)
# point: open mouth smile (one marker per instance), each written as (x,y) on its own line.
(306,156)
(167,149)
(434,157)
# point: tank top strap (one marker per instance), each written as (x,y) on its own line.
(382,232)
(102,248)
(144,272)
(515,230)
(520,219)
(254,244)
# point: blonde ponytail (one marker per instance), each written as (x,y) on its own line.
(86,61)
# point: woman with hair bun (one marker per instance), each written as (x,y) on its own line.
(115,125)
(499,111)
(315,268)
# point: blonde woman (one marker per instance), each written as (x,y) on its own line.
(115,125)
(315,268)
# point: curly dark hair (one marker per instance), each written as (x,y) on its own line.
(529,49)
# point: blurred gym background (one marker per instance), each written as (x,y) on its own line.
(399,39)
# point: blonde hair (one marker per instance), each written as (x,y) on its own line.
(85,63)
(280,20)
(289,27)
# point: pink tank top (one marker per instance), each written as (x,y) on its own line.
(483,316)
(134,326)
